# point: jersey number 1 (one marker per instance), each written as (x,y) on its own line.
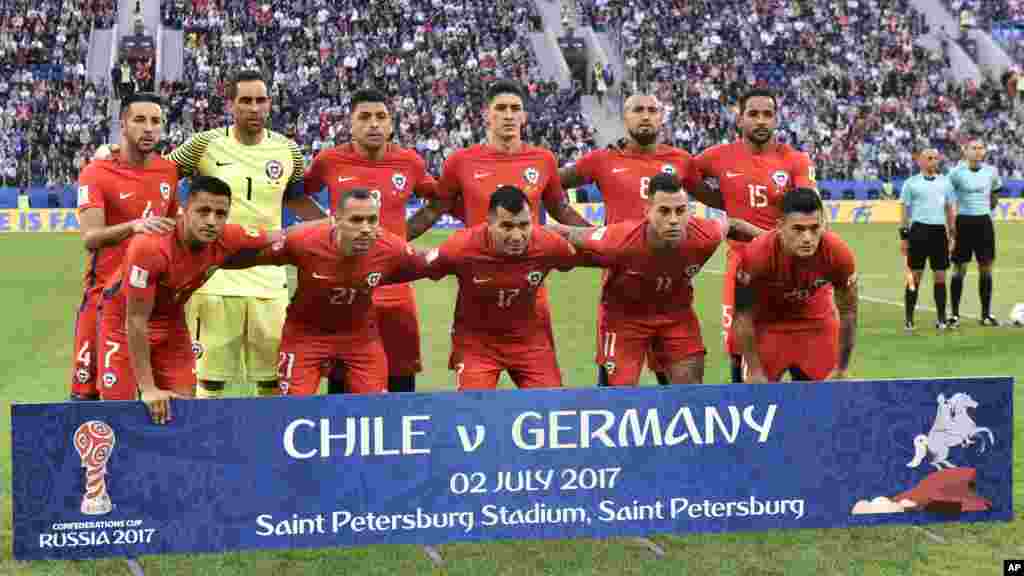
(248,188)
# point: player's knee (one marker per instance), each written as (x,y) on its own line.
(402,383)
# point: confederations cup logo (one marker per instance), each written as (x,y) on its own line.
(94,442)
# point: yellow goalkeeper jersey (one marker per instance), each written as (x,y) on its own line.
(261,177)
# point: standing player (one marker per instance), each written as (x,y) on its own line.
(928,214)
(236,317)
(146,350)
(623,172)
(333,314)
(785,319)
(392,174)
(977,187)
(753,174)
(501,266)
(132,193)
(647,297)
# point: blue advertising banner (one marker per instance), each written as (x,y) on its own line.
(96,479)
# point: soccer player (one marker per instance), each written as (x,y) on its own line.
(147,350)
(647,296)
(392,174)
(471,175)
(623,172)
(333,315)
(927,231)
(501,266)
(785,319)
(132,193)
(977,187)
(753,174)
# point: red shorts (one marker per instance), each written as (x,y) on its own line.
(171,356)
(812,349)
(83,368)
(478,362)
(399,327)
(732,262)
(304,356)
(624,341)
(652,359)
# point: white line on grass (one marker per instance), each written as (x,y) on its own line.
(931,535)
(434,555)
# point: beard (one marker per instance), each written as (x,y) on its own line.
(644,138)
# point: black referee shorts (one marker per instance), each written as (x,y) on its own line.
(928,242)
(976,237)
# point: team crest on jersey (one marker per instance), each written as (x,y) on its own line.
(197,349)
(165,190)
(274,170)
(609,367)
(532,175)
(535,278)
(373,279)
(399,180)
(781,178)
(668,169)
(743,277)
(109,379)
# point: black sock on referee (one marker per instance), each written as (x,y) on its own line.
(940,300)
(956,288)
(910,302)
(985,291)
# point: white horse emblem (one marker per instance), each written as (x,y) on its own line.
(953,427)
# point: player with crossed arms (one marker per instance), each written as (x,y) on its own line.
(785,319)
(753,174)
(333,316)
(131,193)
(147,349)
(501,266)
(392,174)
(647,296)
(624,172)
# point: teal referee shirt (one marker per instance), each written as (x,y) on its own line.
(926,197)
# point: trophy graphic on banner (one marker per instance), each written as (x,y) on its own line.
(94,441)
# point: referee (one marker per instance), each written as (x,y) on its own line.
(928,213)
(976,187)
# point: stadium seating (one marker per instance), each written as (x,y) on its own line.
(856,92)
(48,115)
(436,70)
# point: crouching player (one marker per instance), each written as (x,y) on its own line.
(785,319)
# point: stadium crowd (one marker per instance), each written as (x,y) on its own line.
(882,94)
(435,59)
(50,113)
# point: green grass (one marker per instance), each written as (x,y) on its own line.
(41,288)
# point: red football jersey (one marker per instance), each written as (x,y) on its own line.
(794,291)
(471,175)
(641,282)
(393,179)
(752,185)
(623,177)
(164,270)
(124,193)
(335,292)
(497,293)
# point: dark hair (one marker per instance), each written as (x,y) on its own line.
(756,93)
(353,193)
(510,198)
(801,201)
(210,185)
(231,89)
(505,86)
(368,95)
(663,182)
(150,97)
